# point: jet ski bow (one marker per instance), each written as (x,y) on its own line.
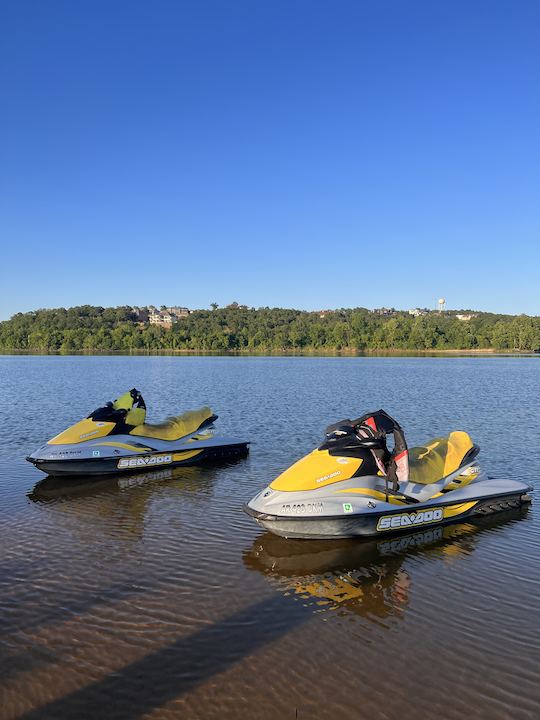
(353,485)
(116,438)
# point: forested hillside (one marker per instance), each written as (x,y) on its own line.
(88,328)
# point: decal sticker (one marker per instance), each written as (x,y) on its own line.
(95,453)
(327,477)
(343,461)
(143,461)
(395,522)
(303,508)
(347,508)
(85,435)
(472,470)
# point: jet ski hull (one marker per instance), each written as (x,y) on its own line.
(121,461)
(394,519)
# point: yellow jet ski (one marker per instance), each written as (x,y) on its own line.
(116,438)
(353,485)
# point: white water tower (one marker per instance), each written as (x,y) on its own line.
(442,304)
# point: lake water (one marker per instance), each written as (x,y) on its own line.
(157,597)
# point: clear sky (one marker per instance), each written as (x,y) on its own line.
(292,153)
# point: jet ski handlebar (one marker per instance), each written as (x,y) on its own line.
(345,436)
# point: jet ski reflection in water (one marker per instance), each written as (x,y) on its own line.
(116,439)
(353,485)
(367,578)
(54,487)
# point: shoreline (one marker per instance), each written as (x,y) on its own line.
(345,352)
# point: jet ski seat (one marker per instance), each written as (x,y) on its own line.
(174,428)
(439,458)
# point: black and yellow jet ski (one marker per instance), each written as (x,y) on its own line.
(353,485)
(116,438)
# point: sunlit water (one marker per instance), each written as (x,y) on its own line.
(156,597)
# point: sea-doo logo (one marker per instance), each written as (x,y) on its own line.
(395,522)
(144,461)
(85,435)
(327,477)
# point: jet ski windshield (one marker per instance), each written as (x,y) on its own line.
(127,411)
(368,434)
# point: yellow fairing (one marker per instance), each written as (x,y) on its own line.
(453,510)
(438,458)
(174,427)
(316,470)
(134,415)
(84,430)
(124,402)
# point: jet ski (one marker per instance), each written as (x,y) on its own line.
(116,438)
(353,485)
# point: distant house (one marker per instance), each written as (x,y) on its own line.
(384,311)
(141,314)
(161,318)
(178,312)
(236,306)
(466,316)
(417,312)
(168,317)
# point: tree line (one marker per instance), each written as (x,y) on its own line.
(235,329)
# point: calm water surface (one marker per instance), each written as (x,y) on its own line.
(156,597)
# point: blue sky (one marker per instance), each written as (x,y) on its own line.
(287,153)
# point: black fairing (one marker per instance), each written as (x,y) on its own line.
(365,437)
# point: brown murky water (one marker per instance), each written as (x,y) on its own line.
(154,596)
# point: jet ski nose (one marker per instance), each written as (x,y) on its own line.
(38,454)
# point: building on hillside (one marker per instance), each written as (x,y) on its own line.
(177,311)
(384,311)
(168,317)
(235,306)
(465,316)
(162,318)
(141,313)
(417,312)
